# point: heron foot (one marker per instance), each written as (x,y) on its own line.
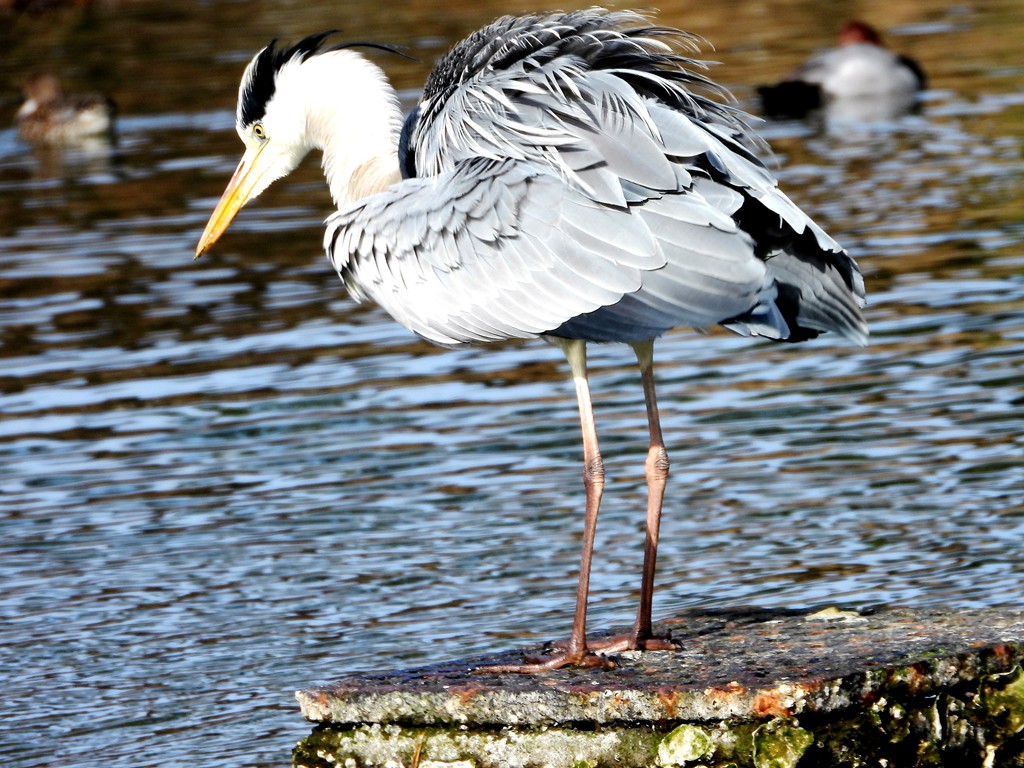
(620,643)
(535,664)
(630,642)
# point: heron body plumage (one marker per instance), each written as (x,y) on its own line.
(631,158)
(568,175)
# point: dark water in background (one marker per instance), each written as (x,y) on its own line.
(222,480)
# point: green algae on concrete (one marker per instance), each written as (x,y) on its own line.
(686,744)
(749,689)
(1002,697)
(779,744)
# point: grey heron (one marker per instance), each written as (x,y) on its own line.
(571,176)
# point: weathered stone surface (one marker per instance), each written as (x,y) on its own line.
(753,687)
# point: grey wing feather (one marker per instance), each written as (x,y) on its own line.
(571,184)
(503,249)
(447,260)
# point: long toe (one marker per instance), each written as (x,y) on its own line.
(620,643)
(548,663)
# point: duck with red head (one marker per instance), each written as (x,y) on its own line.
(860,79)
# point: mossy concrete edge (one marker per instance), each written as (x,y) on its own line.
(958,698)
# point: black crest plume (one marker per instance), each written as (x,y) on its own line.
(260,79)
(261,76)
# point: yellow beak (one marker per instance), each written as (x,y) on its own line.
(239,191)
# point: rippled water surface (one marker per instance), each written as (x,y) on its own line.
(222,480)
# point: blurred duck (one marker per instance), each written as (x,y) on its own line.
(48,116)
(859,79)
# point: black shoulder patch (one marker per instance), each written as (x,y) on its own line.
(406,152)
(259,81)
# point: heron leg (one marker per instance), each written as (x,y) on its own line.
(575,652)
(656,472)
(593,481)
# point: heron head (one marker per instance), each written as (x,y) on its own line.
(271,121)
(308,96)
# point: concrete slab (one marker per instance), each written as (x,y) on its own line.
(737,674)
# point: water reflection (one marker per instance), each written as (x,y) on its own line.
(222,480)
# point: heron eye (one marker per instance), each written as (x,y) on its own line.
(258,132)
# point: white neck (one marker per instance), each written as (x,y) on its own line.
(351,113)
